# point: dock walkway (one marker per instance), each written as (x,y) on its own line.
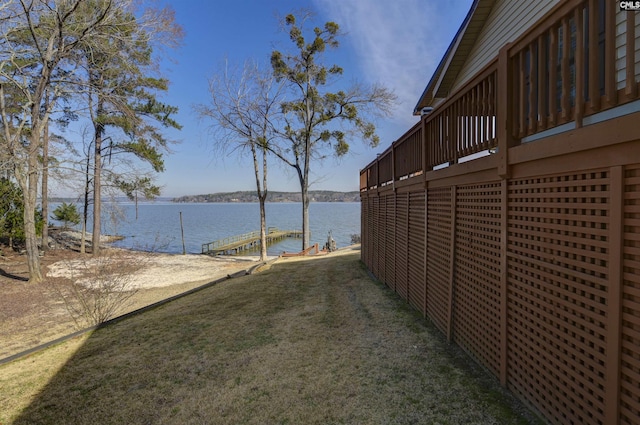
(247,241)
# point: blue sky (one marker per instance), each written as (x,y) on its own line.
(397,43)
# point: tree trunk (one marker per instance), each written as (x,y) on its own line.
(30,193)
(83,234)
(303,178)
(45,188)
(85,209)
(262,196)
(97,168)
(263,229)
(306,232)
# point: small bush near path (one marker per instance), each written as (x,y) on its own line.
(311,341)
(102,286)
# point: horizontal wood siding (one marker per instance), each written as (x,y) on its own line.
(506,22)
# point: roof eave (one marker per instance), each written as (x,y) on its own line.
(443,70)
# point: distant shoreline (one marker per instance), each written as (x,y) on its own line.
(240,197)
(251,196)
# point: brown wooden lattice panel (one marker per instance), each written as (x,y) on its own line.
(477,273)
(375,264)
(370,233)
(390,237)
(630,356)
(402,241)
(558,249)
(416,266)
(364,225)
(438,255)
(382,220)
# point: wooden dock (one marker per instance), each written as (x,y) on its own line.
(246,242)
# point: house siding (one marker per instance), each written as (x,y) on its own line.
(506,22)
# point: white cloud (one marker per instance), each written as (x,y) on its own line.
(397,43)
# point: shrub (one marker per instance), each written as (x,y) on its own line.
(12,213)
(101,287)
(67,213)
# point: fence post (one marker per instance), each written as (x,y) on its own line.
(504,123)
(393,166)
(426,247)
(452,265)
(614,307)
(504,282)
(425,148)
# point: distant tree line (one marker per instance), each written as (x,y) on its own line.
(252,196)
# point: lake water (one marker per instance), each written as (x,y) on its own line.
(158,225)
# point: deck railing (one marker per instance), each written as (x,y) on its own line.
(407,154)
(211,246)
(385,168)
(578,62)
(465,124)
(584,58)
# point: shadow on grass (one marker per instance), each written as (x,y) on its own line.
(306,341)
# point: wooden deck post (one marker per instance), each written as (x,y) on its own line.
(580,68)
(614,305)
(504,282)
(452,265)
(504,114)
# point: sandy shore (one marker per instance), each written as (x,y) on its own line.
(145,270)
(154,270)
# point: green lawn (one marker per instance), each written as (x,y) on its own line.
(311,341)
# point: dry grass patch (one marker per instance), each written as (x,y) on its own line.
(306,341)
(33,314)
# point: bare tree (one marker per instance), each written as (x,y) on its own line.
(317,121)
(244,107)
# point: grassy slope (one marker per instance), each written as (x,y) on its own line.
(306,341)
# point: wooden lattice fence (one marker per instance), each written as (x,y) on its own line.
(536,277)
